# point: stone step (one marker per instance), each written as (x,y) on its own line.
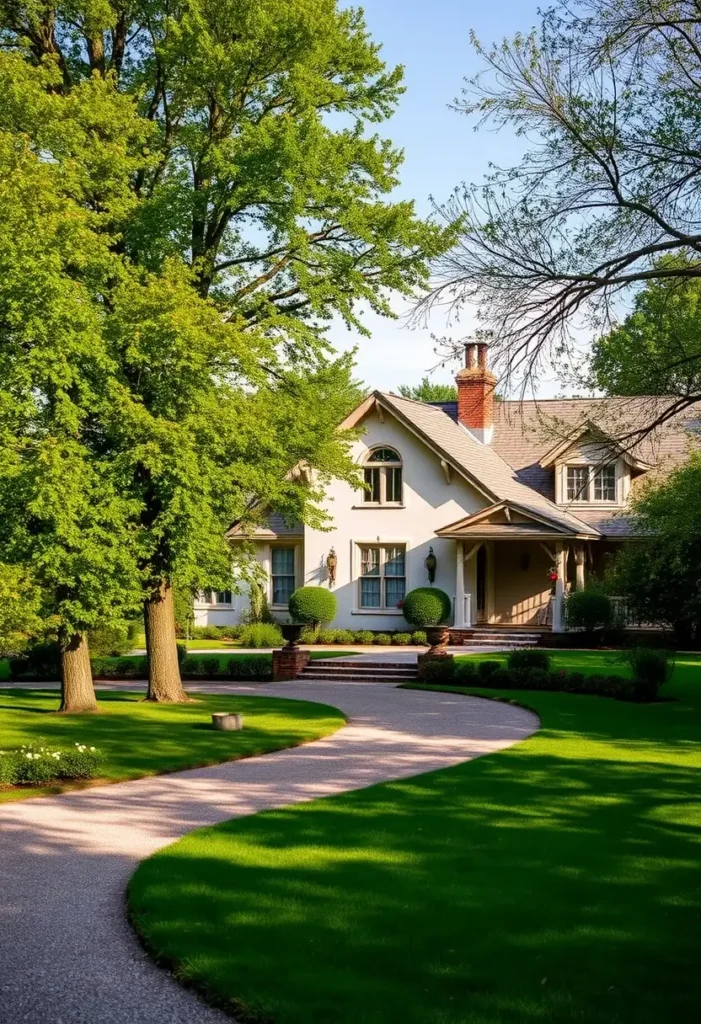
(359,672)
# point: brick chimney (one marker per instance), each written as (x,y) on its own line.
(476,385)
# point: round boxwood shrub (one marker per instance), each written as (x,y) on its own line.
(588,609)
(312,605)
(418,637)
(383,639)
(426,606)
(529,657)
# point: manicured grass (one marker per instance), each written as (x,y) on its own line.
(145,739)
(556,882)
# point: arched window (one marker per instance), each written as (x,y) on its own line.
(383,477)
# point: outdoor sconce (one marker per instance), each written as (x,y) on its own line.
(431,562)
(331,563)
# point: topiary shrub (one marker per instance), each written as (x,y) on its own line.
(110,640)
(466,673)
(402,639)
(40,661)
(383,639)
(343,636)
(260,634)
(529,657)
(437,670)
(588,609)
(486,668)
(418,637)
(363,636)
(326,636)
(426,606)
(250,667)
(312,605)
(650,670)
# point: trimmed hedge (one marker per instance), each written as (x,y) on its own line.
(426,606)
(312,605)
(494,675)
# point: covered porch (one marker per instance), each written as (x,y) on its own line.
(513,569)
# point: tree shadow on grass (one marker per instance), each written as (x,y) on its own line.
(558,881)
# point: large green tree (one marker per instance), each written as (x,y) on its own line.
(660,575)
(656,349)
(65,516)
(260,210)
(606,96)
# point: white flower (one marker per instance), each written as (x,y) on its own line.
(29,756)
(92,749)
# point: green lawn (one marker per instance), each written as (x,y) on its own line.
(553,883)
(144,739)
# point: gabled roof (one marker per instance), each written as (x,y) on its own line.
(505,520)
(478,463)
(590,431)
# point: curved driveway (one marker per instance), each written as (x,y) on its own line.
(67,954)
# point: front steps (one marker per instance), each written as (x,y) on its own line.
(493,638)
(340,670)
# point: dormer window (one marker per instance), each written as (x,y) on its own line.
(591,483)
(383,478)
(605,483)
(578,483)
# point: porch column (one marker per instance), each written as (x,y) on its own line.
(579,566)
(459,611)
(559,599)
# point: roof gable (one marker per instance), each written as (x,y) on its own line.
(478,463)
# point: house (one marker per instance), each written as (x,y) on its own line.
(517,501)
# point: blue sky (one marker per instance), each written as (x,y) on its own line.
(431,39)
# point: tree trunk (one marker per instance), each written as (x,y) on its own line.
(77,690)
(164,683)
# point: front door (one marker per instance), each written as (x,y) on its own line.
(481,583)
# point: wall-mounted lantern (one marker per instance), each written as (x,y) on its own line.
(331,563)
(431,562)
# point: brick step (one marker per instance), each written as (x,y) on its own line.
(367,672)
(341,663)
(326,670)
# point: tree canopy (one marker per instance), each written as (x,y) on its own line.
(607,97)
(660,575)
(429,391)
(228,194)
(656,349)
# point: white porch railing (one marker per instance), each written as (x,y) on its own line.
(624,618)
(462,603)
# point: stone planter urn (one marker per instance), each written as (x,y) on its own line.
(292,631)
(437,637)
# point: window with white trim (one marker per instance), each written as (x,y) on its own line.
(578,483)
(382,580)
(282,573)
(216,597)
(383,477)
(605,483)
(591,483)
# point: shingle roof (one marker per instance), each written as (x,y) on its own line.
(525,431)
(481,462)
